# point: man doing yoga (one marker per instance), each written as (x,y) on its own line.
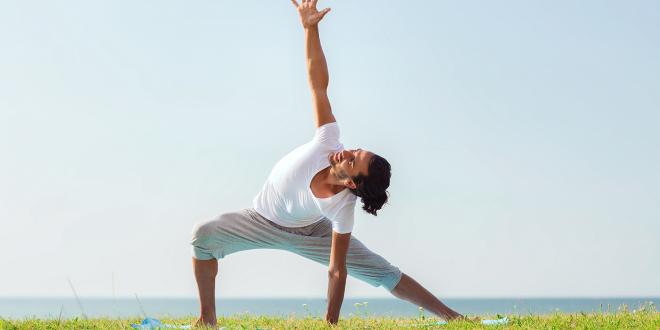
(306,206)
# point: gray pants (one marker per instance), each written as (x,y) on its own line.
(247,229)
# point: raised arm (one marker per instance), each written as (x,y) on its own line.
(317,68)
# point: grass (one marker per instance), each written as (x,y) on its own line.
(645,317)
(638,319)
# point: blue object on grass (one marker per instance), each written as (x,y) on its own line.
(151,323)
(501,321)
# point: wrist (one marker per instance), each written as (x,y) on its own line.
(311,28)
(331,319)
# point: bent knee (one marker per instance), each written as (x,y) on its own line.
(204,239)
(211,227)
(202,229)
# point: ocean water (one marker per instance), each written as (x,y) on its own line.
(176,307)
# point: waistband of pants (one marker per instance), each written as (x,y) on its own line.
(257,216)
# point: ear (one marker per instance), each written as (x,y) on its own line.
(350,184)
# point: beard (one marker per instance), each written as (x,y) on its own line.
(338,173)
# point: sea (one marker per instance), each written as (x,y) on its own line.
(21,308)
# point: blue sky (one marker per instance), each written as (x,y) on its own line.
(522,136)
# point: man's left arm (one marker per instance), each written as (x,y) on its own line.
(337,274)
(317,67)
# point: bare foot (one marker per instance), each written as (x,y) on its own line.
(208,323)
(475,319)
(465,318)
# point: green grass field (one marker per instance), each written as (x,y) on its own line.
(638,319)
(644,317)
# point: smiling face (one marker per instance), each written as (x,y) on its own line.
(347,164)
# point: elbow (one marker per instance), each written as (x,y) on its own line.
(337,272)
(319,90)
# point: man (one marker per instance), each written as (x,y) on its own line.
(307,204)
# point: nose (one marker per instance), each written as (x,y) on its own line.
(347,154)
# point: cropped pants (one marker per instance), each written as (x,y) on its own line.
(247,229)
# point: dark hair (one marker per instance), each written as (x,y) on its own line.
(372,188)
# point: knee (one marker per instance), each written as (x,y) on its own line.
(204,241)
(393,282)
(207,228)
(389,281)
(201,229)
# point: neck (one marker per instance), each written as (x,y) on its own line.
(329,180)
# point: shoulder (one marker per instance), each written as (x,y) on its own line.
(343,215)
(328,134)
(339,206)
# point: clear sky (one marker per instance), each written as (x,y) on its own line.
(523,138)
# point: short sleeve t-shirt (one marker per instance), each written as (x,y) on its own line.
(286,197)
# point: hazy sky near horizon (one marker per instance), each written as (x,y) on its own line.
(523,138)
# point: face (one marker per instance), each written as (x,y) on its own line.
(347,164)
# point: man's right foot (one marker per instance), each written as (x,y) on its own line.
(208,323)
(475,319)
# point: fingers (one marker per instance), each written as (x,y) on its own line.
(309,3)
(323,12)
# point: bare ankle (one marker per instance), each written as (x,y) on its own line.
(454,316)
(208,320)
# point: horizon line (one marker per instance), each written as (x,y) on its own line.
(322,297)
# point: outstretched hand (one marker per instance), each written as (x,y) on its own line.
(309,15)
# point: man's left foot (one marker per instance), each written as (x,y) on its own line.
(201,323)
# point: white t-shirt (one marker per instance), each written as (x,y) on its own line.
(286,198)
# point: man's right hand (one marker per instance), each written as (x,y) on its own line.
(309,15)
